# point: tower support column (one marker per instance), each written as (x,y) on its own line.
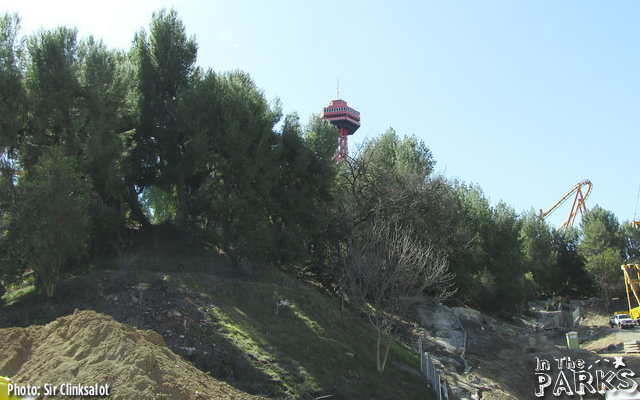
(343,147)
(347,120)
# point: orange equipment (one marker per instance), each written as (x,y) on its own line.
(578,203)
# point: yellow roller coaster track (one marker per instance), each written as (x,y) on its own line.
(578,203)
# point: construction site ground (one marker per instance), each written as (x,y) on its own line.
(151,334)
(154,341)
(498,359)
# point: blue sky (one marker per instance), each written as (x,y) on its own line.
(524,98)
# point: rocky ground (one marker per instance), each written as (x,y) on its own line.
(486,358)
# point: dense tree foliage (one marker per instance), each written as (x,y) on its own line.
(571,275)
(110,141)
(166,70)
(11,85)
(601,248)
(50,220)
(630,241)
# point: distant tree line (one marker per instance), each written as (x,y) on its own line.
(107,141)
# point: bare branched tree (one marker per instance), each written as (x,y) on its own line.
(386,271)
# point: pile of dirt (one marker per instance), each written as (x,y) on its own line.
(88,348)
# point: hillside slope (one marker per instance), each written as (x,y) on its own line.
(215,318)
(224,322)
(88,348)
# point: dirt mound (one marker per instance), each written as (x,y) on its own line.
(88,348)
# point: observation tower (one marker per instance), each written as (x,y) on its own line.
(346,119)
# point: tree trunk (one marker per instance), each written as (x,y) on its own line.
(183,206)
(136,209)
(381,359)
(379,367)
(386,353)
(50,289)
(51,281)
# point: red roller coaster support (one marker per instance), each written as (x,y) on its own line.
(578,203)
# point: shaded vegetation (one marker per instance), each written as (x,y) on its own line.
(99,143)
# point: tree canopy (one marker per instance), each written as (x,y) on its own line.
(110,141)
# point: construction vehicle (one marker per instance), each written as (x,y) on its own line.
(578,203)
(631,282)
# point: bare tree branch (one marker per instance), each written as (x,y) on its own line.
(387,270)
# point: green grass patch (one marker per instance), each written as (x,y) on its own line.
(309,348)
(21,293)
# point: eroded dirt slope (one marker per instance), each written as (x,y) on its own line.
(89,348)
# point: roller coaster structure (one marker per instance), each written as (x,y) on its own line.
(581,195)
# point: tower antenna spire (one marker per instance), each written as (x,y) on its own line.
(338,88)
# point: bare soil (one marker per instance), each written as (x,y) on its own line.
(88,348)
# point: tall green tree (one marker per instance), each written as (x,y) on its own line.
(323,228)
(490,268)
(322,138)
(107,116)
(53,93)
(12,108)
(304,188)
(79,99)
(401,154)
(235,153)
(245,167)
(12,96)
(602,249)
(166,68)
(540,255)
(504,256)
(473,279)
(571,265)
(387,177)
(49,226)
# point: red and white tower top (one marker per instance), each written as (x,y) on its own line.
(346,119)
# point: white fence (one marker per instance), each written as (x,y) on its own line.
(429,371)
